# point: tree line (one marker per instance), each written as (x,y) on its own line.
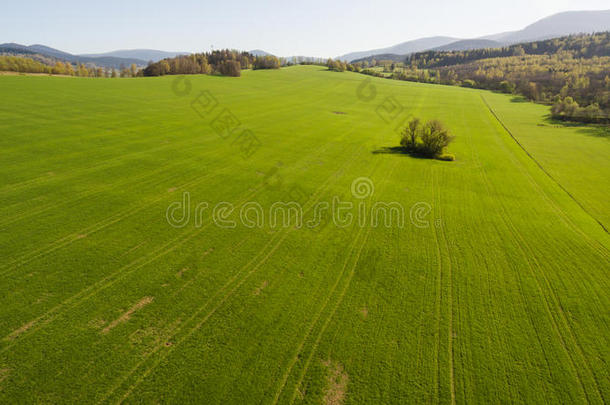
(224,62)
(28,65)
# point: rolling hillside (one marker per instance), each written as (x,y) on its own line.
(495,289)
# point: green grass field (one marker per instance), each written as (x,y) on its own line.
(501,294)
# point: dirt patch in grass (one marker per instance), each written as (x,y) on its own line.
(4,372)
(181,272)
(125,317)
(258,290)
(336,384)
(339,112)
(15,334)
(364,312)
(97,323)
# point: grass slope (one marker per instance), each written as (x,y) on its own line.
(585,149)
(504,297)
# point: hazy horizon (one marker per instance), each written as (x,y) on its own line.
(282,28)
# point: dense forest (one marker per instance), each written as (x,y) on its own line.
(224,62)
(572,73)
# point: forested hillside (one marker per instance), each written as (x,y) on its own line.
(572,73)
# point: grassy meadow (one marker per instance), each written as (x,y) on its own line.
(500,294)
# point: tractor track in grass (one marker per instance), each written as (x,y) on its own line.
(449,275)
(167,335)
(426,296)
(232,285)
(492,307)
(68,239)
(105,283)
(104,164)
(548,175)
(526,305)
(556,301)
(513,232)
(107,163)
(529,256)
(120,273)
(557,210)
(93,228)
(103,189)
(359,241)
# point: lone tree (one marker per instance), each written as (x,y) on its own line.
(429,139)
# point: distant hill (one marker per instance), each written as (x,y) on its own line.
(259,52)
(48,51)
(468,44)
(554,26)
(382,56)
(140,54)
(404,48)
(49,55)
(561,24)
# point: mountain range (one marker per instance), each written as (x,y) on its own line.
(557,25)
(115,59)
(141,54)
(50,55)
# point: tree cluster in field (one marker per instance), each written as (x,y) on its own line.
(224,62)
(544,71)
(428,139)
(340,66)
(568,109)
(29,65)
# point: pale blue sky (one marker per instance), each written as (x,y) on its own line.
(283,27)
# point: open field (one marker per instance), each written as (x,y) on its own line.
(499,294)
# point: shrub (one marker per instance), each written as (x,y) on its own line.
(469,83)
(435,138)
(507,87)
